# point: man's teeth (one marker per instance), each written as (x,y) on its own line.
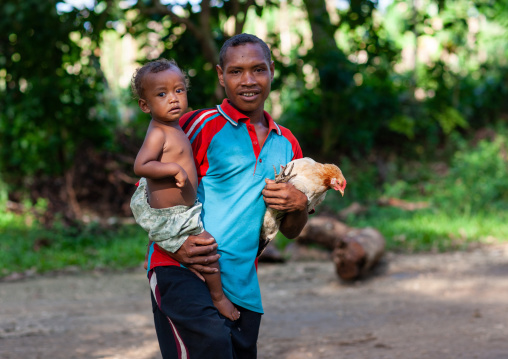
(249,94)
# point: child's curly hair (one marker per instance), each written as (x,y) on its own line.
(154,67)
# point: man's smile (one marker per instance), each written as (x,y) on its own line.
(249,94)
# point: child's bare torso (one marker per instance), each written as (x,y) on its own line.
(163,193)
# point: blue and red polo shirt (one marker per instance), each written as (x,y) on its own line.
(232,167)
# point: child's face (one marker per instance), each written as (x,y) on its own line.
(247,76)
(165,95)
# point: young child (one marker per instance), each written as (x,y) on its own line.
(165,203)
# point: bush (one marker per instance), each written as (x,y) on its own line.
(476,181)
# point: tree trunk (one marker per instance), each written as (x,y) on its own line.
(334,76)
(72,200)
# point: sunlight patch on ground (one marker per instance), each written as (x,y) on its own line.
(146,350)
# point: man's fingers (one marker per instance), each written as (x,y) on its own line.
(272,194)
(272,187)
(204,241)
(204,260)
(275,200)
(202,250)
(279,208)
(203,269)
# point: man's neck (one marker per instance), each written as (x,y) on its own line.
(256,117)
(259,120)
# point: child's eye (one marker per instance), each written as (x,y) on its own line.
(180,90)
(162,94)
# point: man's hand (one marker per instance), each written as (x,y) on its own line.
(197,253)
(284,197)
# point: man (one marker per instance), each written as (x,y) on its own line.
(235,146)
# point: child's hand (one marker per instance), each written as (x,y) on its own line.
(181,178)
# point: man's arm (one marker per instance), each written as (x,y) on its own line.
(285,197)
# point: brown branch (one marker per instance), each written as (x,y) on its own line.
(240,24)
(71,194)
(201,32)
(159,9)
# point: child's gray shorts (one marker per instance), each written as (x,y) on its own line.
(169,227)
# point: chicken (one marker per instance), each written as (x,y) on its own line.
(308,176)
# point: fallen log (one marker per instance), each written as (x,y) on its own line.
(354,209)
(402,204)
(358,252)
(323,230)
(271,255)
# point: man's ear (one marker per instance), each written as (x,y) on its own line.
(143,105)
(272,69)
(220,73)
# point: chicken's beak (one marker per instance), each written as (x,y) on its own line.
(338,186)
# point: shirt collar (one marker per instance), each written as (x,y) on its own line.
(234,116)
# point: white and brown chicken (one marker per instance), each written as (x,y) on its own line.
(314,179)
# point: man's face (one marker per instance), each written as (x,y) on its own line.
(165,95)
(246,77)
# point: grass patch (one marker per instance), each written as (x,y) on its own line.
(468,204)
(41,250)
(433,230)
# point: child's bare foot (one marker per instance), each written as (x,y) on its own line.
(226,308)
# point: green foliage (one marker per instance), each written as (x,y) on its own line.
(477,179)
(450,119)
(354,98)
(434,230)
(51,88)
(456,84)
(25,246)
(466,205)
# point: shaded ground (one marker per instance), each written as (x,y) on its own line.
(452,305)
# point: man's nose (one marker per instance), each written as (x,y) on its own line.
(248,78)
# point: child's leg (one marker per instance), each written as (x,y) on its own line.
(221,302)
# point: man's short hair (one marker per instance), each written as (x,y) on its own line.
(243,39)
(154,67)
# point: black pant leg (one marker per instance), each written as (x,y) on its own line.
(186,321)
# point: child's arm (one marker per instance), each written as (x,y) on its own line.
(147,162)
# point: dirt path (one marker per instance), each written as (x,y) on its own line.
(442,306)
